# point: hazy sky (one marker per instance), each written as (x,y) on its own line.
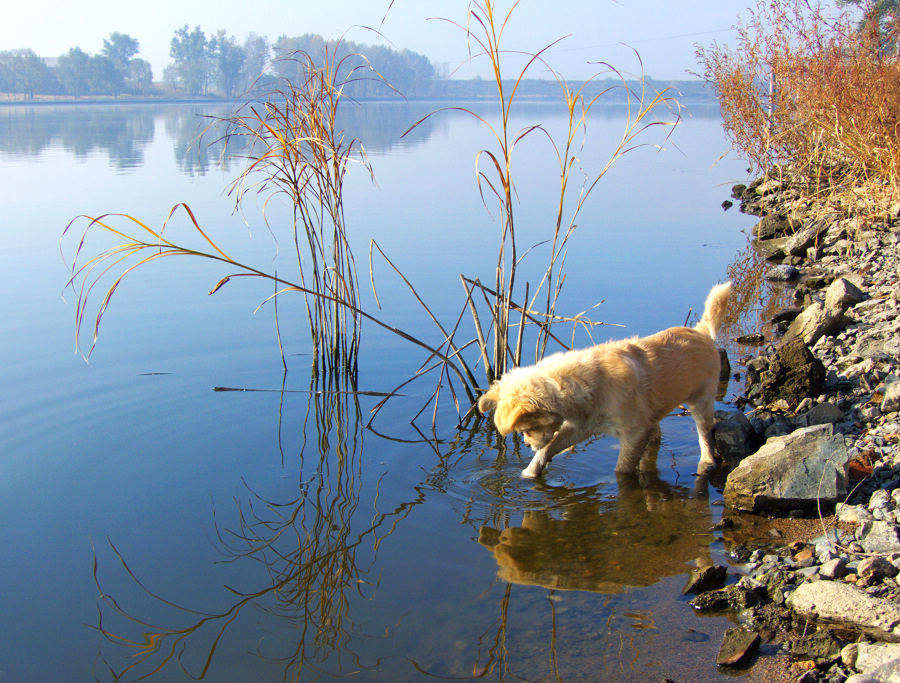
(663,31)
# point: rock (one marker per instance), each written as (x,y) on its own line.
(822,647)
(866,657)
(793,374)
(875,568)
(782,273)
(736,645)
(881,537)
(724,366)
(814,322)
(806,238)
(833,569)
(841,295)
(704,579)
(823,413)
(771,226)
(886,673)
(852,513)
(891,401)
(734,436)
(790,472)
(833,602)
(732,598)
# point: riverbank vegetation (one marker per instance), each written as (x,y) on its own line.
(814,93)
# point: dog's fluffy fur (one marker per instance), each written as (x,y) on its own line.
(623,388)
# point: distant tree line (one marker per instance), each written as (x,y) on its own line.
(208,64)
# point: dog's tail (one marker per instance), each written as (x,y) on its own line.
(714,310)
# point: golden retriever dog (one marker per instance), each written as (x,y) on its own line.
(623,388)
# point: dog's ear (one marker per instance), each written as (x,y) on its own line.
(508,421)
(488,401)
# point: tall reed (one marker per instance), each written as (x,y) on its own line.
(294,147)
(501,312)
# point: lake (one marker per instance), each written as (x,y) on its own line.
(158,526)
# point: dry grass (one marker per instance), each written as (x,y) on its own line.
(813,93)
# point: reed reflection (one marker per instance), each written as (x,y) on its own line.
(317,549)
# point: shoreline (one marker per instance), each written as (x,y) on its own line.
(798,590)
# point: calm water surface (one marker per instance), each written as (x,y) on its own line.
(156,526)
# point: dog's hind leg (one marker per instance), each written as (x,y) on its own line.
(703,412)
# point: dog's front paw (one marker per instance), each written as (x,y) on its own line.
(531,473)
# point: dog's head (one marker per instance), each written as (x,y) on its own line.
(518,411)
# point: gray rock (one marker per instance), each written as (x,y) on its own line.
(734,436)
(866,657)
(807,237)
(886,673)
(782,273)
(790,472)
(881,537)
(891,401)
(771,226)
(841,295)
(823,413)
(852,513)
(833,602)
(834,569)
(815,321)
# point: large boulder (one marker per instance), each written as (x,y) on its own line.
(844,605)
(793,374)
(790,472)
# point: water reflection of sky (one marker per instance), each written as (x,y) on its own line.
(359,551)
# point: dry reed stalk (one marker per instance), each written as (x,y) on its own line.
(814,95)
(498,333)
(295,147)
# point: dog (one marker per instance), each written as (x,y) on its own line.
(623,388)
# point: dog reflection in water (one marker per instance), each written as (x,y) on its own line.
(623,388)
(597,544)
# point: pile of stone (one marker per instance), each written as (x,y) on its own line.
(820,434)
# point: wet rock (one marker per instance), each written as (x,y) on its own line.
(724,366)
(737,644)
(734,436)
(798,470)
(815,321)
(729,599)
(793,374)
(845,605)
(704,579)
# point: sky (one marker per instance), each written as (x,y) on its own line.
(662,31)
